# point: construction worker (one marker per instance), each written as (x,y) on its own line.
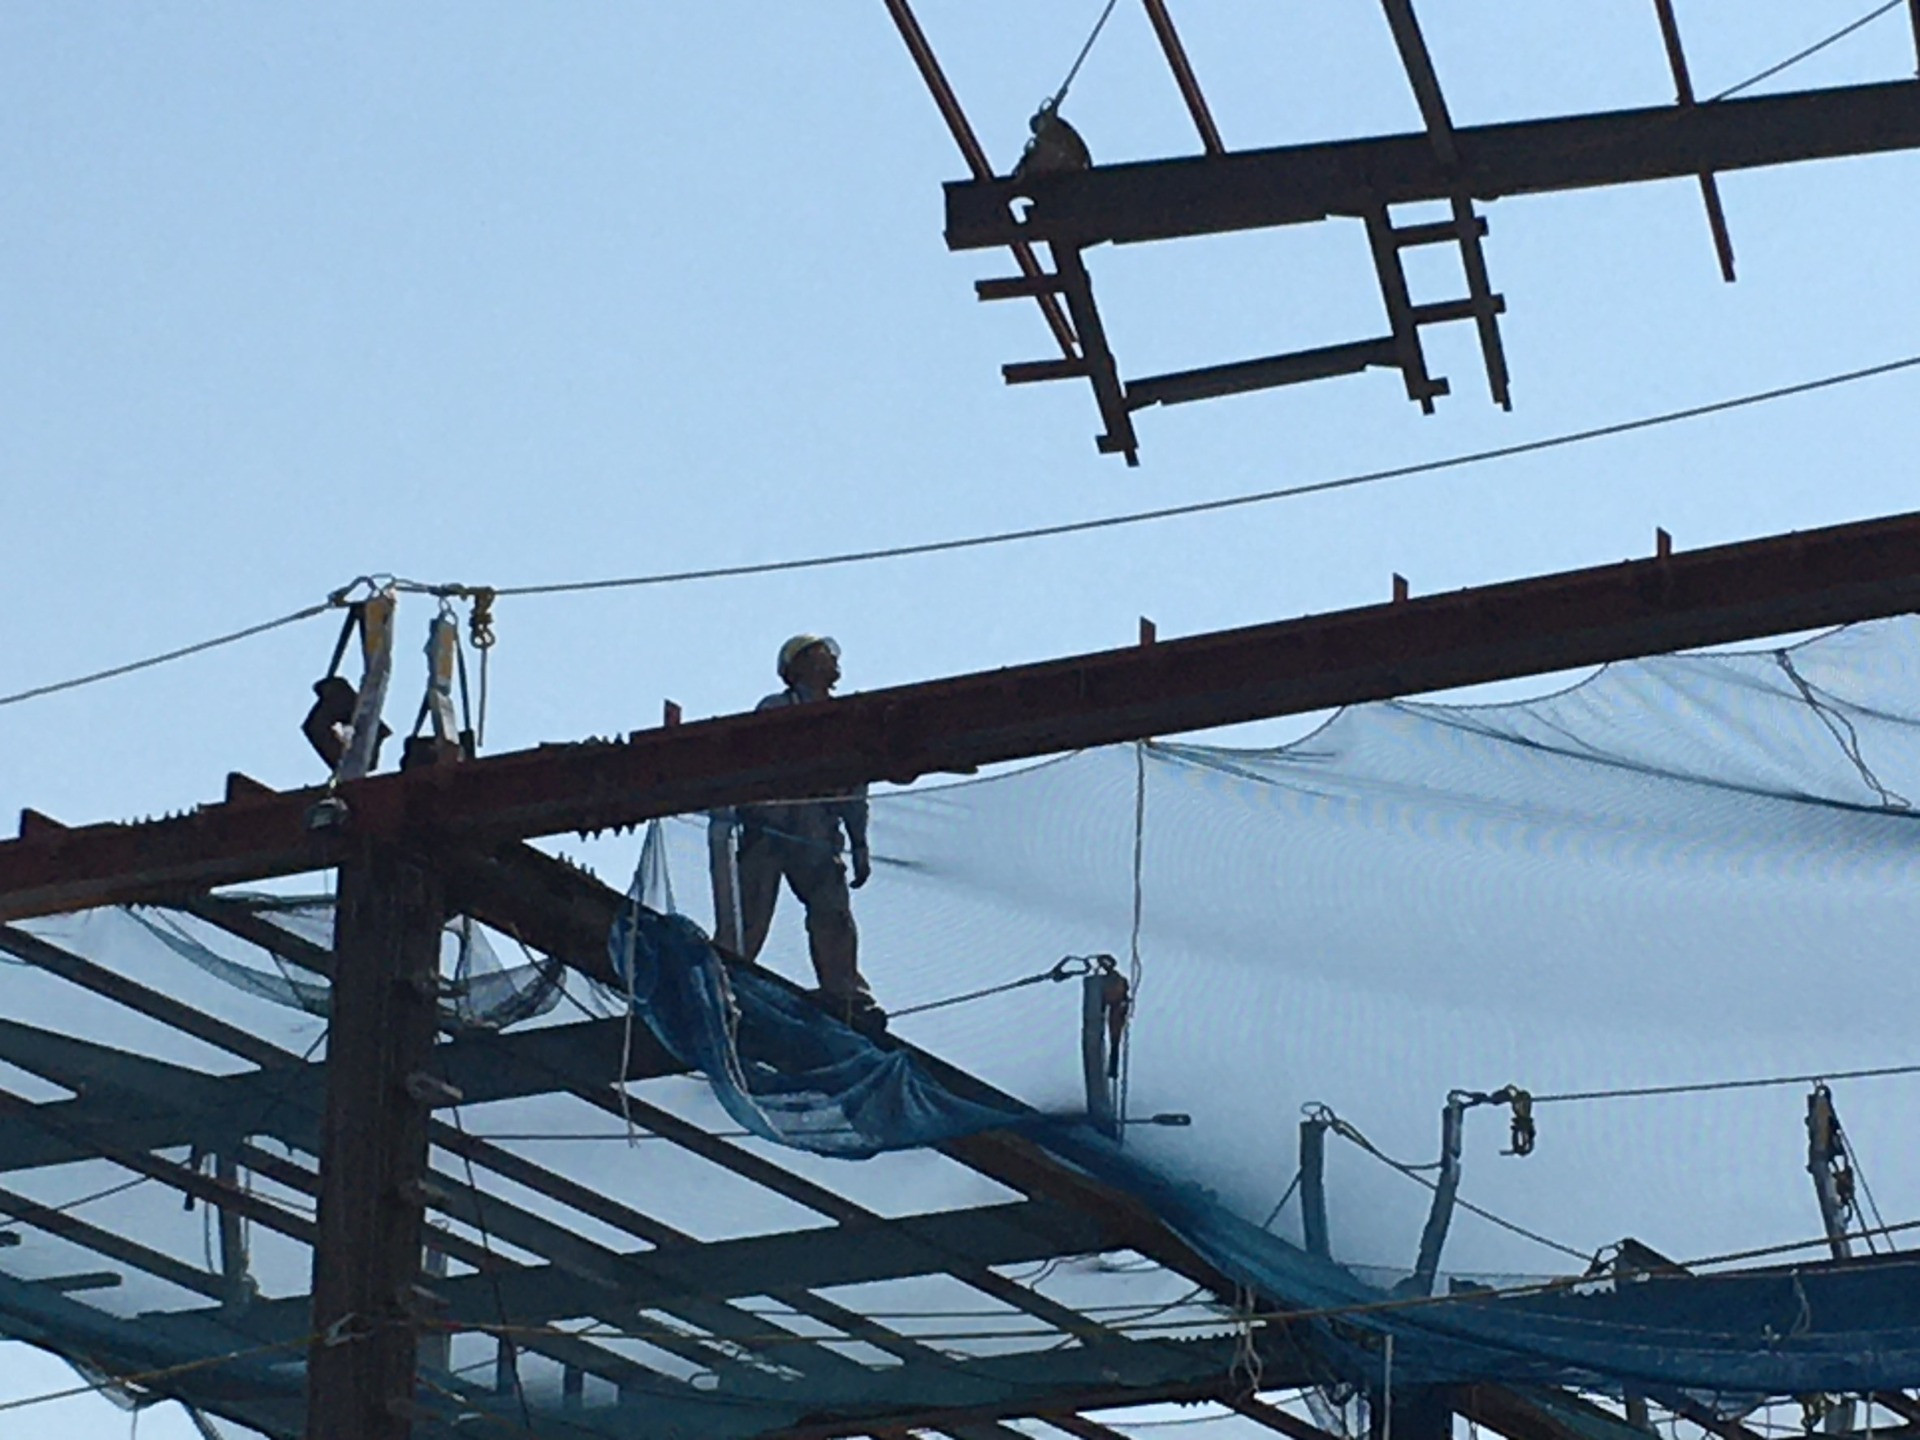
(809,843)
(803,843)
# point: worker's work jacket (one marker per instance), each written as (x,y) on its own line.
(811,822)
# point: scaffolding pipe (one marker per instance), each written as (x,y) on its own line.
(1313,1186)
(1445,1189)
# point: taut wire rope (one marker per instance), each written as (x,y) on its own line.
(1068,968)
(1635,1092)
(168,1372)
(1202,507)
(1000,537)
(1807,53)
(306,612)
(1073,70)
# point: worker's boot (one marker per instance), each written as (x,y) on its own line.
(854,1009)
(866,1016)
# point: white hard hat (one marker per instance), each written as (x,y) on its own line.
(793,649)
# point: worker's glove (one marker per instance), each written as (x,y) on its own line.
(862,866)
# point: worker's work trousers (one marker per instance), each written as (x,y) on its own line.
(818,879)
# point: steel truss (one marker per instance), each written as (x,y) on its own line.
(363,1163)
(1221,190)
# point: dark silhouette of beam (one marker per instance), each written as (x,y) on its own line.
(1291,185)
(366,1258)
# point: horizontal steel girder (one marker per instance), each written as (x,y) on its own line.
(1712,596)
(1299,184)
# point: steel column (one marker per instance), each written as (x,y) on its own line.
(380,1034)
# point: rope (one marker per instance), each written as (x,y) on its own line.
(1844,735)
(480,632)
(1070,967)
(1351,1132)
(1641,1091)
(629,954)
(1860,1175)
(1811,50)
(1281,1203)
(88,1199)
(493,1266)
(1509,1226)
(1201,507)
(1087,49)
(198,647)
(1133,941)
(1247,1369)
(148,1377)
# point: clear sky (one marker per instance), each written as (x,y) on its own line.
(510,294)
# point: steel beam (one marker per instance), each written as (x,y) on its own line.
(136,1102)
(1081,1426)
(1683,95)
(680,1276)
(1239,376)
(1291,185)
(948,104)
(1097,356)
(582,1278)
(1274,1418)
(1183,76)
(1684,599)
(1072,1383)
(567,913)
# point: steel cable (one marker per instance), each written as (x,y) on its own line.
(1202,507)
(199,647)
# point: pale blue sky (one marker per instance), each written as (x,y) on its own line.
(516,293)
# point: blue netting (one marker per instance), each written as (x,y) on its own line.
(1680,871)
(1683,869)
(792,1074)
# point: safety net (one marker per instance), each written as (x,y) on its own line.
(1627,935)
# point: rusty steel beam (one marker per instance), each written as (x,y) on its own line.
(948,104)
(1253,1408)
(1683,94)
(1542,1414)
(1298,184)
(1424,79)
(568,913)
(1183,76)
(370,1224)
(1082,1427)
(1097,356)
(1675,601)
(1485,305)
(1068,1397)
